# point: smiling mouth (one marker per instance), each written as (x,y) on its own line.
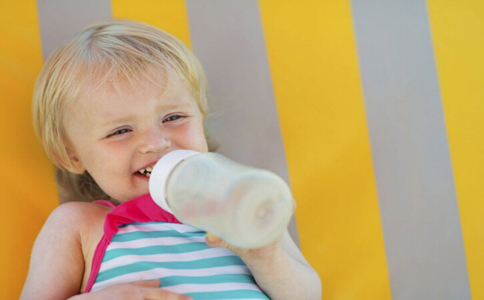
(145,172)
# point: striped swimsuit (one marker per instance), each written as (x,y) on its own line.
(141,241)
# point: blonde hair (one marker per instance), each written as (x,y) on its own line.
(108,52)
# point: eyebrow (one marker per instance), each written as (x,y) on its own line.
(173,106)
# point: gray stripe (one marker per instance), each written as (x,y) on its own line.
(60,19)
(420,217)
(227,37)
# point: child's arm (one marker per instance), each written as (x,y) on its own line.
(279,269)
(146,290)
(57,261)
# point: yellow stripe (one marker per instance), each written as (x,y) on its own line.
(26,180)
(314,68)
(458,36)
(169,15)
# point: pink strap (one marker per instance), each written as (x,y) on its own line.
(96,262)
(141,209)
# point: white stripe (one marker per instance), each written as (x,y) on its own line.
(162,272)
(158,227)
(162,241)
(188,256)
(216,287)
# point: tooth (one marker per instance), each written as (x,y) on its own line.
(148,174)
(149,169)
(142,171)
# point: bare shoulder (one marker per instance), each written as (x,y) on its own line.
(77,212)
(80,221)
(77,218)
(58,262)
(67,222)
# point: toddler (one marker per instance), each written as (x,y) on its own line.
(108,104)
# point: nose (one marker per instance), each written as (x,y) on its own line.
(153,140)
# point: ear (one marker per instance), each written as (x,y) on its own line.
(75,166)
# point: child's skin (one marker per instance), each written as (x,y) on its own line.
(112,134)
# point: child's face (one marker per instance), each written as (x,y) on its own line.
(115,134)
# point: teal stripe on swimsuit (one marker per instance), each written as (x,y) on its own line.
(205,263)
(132,255)
(151,250)
(132,236)
(176,280)
(234,294)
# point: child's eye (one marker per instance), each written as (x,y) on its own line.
(172,118)
(119,132)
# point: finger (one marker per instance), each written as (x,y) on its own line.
(160,294)
(213,240)
(148,283)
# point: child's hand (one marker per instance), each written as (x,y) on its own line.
(276,267)
(247,255)
(141,290)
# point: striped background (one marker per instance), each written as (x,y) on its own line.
(372,110)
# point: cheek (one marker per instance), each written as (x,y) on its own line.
(196,137)
(102,162)
(190,136)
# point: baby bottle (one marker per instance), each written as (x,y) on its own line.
(247,207)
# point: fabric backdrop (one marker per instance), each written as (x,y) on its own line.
(372,110)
